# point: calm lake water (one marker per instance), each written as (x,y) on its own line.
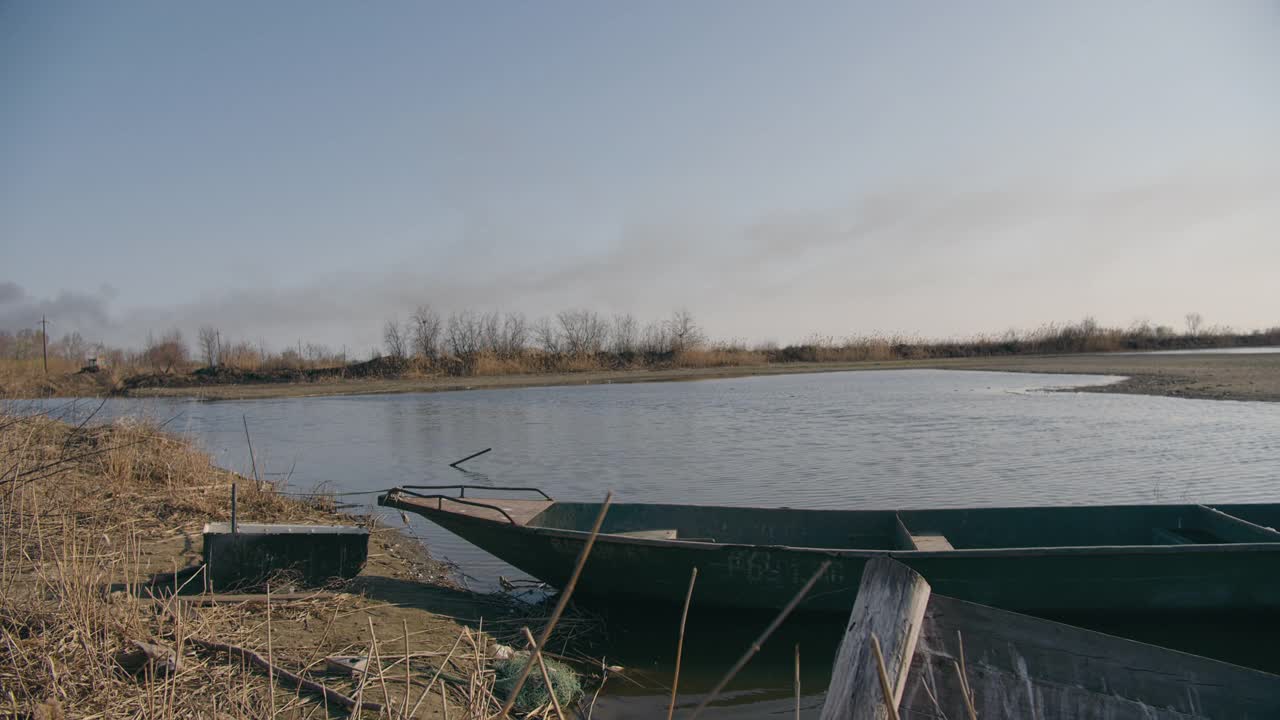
(911,438)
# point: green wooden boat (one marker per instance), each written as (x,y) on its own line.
(1040,560)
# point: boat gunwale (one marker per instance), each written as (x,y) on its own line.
(1030,551)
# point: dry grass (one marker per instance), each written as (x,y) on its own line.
(89,516)
(22,378)
(78,506)
(718,357)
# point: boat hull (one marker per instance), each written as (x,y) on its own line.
(1209,578)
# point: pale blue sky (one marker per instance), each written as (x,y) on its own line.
(305,170)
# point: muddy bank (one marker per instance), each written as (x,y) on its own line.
(1208,376)
(1203,376)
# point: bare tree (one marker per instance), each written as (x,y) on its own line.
(166,353)
(72,347)
(683,332)
(463,334)
(625,334)
(1194,321)
(208,340)
(584,331)
(515,334)
(655,339)
(490,330)
(547,336)
(426,332)
(393,338)
(318,355)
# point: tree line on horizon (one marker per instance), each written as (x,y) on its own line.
(491,342)
(570,332)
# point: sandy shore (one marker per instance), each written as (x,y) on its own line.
(1221,376)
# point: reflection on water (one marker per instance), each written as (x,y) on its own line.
(912,438)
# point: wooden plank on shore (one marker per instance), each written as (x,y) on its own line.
(891,605)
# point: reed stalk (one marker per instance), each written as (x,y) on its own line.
(684,617)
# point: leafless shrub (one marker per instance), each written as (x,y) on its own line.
(426,332)
(584,331)
(624,334)
(514,335)
(394,340)
(209,341)
(683,332)
(167,353)
(71,347)
(1194,321)
(490,331)
(655,339)
(547,336)
(463,334)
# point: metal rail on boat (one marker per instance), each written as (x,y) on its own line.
(462,489)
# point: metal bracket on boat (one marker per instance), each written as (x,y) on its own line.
(462,489)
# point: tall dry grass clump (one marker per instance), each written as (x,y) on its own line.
(78,507)
(718,356)
(93,524)
(25,378)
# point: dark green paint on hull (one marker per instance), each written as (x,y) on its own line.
(1036,560)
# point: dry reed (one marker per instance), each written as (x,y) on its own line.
(90,518)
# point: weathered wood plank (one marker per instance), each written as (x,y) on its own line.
(1000,694)
(891,604)
(932,542)
(1019,666)
(522,511)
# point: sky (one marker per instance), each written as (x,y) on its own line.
(303,171)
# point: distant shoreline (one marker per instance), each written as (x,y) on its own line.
(1212,376)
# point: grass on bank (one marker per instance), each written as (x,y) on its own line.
(91,516)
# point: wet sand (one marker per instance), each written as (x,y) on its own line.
(1203,376)
(1220,376)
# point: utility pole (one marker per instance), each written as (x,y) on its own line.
(44,342)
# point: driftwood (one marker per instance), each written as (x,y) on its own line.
(142,654)
(286,677)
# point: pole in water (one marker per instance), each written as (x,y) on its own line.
(235,523)
(247,439)
(455,464)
